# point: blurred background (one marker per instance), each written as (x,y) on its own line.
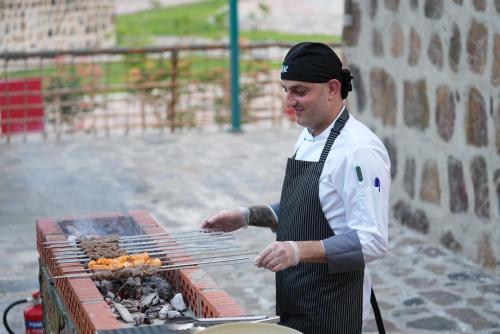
(120,105)
(100,66)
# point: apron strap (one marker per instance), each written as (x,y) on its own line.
(337,127)
(376,312)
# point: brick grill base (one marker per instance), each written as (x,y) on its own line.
(84,304)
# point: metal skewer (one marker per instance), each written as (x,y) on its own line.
(226,254)
(77,255)
(132,237)
(173,266)
(188,252)
(139,242)
(160,243)
(147,248)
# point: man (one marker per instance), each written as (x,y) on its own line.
(333,212)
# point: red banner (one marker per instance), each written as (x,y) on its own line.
(21,106)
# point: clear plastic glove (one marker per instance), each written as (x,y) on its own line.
(227,220)
(278,256)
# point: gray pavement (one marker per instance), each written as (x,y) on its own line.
(184,177)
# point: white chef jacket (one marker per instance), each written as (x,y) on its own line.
(351,204)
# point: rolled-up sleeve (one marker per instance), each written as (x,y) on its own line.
(363,185)
(275,208)
(343,252)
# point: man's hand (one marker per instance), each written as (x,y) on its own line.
(278,256)
(227,220)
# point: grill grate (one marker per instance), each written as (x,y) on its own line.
(82,301)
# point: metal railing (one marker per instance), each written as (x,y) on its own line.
(55,93)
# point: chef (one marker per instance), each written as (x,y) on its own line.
(332,218)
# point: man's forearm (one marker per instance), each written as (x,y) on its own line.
(311,251)
(262,216)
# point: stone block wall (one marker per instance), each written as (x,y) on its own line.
(35,25)
(427,81)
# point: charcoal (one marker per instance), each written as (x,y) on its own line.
(139,290)
(178,303)
(130,288)
(161,286)
(139,320)
(105,286)
(150,300)
(147,289)
(131,305)
(128,303)
(115,286)
(152,313)
(130,281)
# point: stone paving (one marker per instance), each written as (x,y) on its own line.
(182,178)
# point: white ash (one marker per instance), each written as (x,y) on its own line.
(178,303)
(173,314)
(162,315)
(140,300)
(123,312)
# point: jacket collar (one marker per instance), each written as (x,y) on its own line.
(323,135)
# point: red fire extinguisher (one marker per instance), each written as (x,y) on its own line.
(32,314)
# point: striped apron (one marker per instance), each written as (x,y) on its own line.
(308,298)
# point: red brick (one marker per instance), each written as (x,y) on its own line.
(47,226)
(80,294)
(101,317)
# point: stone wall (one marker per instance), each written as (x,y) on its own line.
(428,83)
(34,25)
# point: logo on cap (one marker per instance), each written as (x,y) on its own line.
(284,68)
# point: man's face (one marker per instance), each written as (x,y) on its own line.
(309,101)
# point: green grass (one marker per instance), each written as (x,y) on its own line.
(260,36)
(202,19)
(182,20)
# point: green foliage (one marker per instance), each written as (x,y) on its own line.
(206,19)
(141,69)
(68,86)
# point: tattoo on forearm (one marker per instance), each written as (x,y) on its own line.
(262,216)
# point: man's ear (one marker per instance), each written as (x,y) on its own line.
(334,87)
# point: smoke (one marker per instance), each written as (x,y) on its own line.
(81,228)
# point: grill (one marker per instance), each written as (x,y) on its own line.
(73,304)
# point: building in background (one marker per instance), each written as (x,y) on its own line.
(427,80)
(35,25)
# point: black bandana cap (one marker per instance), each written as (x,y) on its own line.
(315,63)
